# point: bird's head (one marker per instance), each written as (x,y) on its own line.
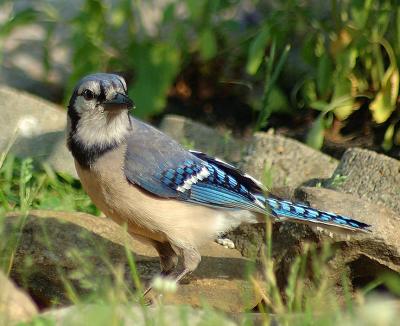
(98,110)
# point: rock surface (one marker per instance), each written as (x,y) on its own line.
(86,252)
(15,305)
(197,136)
(284,161)
(35,128)
(381,246)
(289,162)
(363,255)
(369,175)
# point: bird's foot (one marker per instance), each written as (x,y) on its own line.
(165,282)
(227,243)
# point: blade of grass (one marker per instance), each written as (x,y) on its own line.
(271,77)
(11,142)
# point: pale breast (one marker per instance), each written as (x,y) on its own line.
(110,191)
(147,215)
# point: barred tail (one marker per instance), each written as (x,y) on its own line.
(305,214)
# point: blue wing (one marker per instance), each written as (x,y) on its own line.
(162,167)
(214,183)
(226,186)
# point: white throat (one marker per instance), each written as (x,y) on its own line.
(101,129)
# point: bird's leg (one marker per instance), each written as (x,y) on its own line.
(168,260)
(168,257)
(191,259)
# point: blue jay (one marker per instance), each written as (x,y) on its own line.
(170,198)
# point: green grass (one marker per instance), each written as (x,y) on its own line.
(24,186)
(306,300)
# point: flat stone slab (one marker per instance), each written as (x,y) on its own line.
(88,251)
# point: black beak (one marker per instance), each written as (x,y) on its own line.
(118,102)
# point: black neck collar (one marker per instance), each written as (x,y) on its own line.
(85,155)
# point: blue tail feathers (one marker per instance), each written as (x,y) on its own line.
(303,213)
(226,186)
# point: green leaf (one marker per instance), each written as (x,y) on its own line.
(346,61)
(309,91)
(277,101)
(315,137)
(156,66)
(324,73)
(360,10)
(207,44)
(392,281)
(308,49)
(385,101)
(382,18)
(257,50)
(387,143)
(169,13)
(118,17)
(272,73)
(319,105)
(344,105)
(397,26)
(196,9)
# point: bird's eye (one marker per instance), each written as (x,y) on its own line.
(88,94)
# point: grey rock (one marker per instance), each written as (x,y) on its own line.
(381,246)
(362,255)
(86,253)
(34,128)
(369,175)
(285,162)
(15,305)
(289,162)
(194,135)
(56,251)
